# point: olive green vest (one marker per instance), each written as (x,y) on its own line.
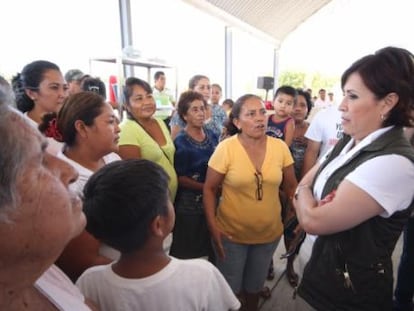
(363,252)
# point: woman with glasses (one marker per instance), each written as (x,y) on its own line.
(250,168)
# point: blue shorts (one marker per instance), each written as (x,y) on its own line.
(245,265)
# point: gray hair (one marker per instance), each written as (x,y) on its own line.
(6,93)
(12,153)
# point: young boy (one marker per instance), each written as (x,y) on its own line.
(281,124)
(127,206)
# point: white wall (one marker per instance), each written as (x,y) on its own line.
(64,32)
(70,33)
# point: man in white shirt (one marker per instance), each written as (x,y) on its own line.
(163,98)
(323,133)
(321,102)
(331,100)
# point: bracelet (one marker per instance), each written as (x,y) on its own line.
(296,195)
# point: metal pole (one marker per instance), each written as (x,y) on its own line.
(275,68)
(228,73)
(126,32)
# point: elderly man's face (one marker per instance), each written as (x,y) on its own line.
(48,215)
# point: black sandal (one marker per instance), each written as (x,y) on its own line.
(270,272)
(292,277)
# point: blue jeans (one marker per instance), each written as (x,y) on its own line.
(404,290)
(245,265)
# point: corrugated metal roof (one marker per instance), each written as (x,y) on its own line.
(274,19)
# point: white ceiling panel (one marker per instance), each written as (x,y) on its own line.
(274,19)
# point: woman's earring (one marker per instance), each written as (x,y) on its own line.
(382,117)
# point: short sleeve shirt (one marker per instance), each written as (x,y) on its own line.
(240,214)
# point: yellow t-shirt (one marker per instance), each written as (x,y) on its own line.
(240,214)
(133,134)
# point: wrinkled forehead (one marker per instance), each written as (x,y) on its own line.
(203,82)
(252,104)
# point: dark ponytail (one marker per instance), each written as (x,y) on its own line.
(30,79)
(23,102)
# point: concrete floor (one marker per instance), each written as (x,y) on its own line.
(282,292)
(281,299)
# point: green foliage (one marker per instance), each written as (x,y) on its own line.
(315,81)
(294,79)
(323,82)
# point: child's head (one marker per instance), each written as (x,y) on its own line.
(283,100)
(124,199)
(227,104)
(216,93)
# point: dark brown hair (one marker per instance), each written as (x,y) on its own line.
(30,78)
(185,100)
(389,70)
(235,113)
(84,106)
